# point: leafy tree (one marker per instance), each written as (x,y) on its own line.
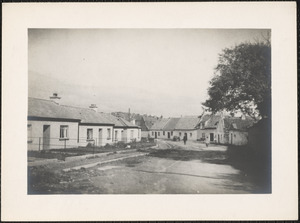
(242,80)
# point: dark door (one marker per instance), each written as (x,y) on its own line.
(218,138)
(211,136)
(156,135)
(169,135)
(186,136)
(46,137)
(100,137)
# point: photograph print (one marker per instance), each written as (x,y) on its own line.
(149,111)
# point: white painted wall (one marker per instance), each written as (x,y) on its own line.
(100,140)
(191,134)
(36,135)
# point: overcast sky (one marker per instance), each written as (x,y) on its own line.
(151,71)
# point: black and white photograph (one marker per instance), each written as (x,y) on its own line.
(149,111)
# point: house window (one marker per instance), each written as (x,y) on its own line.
(152,133)
(179,133)
(108,134)
(63,133)
(131,134)
(191,134)
(29,133)
(163,132)
(89,134)
(172,133)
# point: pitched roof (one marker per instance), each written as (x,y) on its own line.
(87,115)
(235,123)
(149,121)
(118,121)
(48,109)
(204,118)
(212,122)
(171,124)
(160,124)
(187,123)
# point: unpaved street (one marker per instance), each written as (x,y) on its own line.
(174,169)
(170,168)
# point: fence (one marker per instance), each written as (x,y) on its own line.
(44,143)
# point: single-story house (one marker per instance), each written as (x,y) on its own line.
(225,129)
(123,130)
(53,126)
(187,126)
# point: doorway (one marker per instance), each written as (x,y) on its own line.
(46,137)
(211,137)
(169,135)
(100,137)
(116,136)
(156,135)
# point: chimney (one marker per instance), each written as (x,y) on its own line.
(55,98)
(94,107)
(129,115)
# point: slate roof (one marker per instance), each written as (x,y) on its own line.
(160,124)
(48,109)
(87,116)
(40,108)
(118,121)
(212,122)
(149,121)
(187,123)
(171,124)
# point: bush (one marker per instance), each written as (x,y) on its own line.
(120,144)
(176,138)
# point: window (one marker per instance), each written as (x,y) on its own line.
(172,133)
(89,134)
(179,133)
(131,134)
(29,133)
(108,134)
(163,132)
(152,133)
(191,134)
(203,135)
(63,133)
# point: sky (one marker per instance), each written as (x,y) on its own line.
(151,71)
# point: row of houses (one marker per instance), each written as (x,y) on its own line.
(219,129)
(51,125)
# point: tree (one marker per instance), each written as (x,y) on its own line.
(242,80)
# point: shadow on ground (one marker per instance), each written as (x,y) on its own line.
(254,168)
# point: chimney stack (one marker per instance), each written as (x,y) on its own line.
(55,98)
(94,107)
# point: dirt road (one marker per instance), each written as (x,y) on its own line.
(171,168)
